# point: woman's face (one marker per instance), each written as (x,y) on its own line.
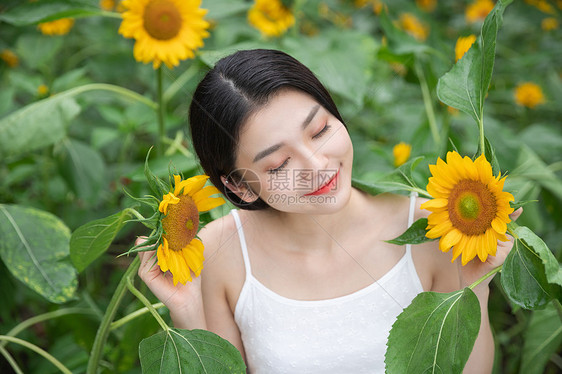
(299,156)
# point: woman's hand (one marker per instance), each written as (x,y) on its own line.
(476,269)
(184,301)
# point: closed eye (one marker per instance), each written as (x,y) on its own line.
(322,132)
(279,168)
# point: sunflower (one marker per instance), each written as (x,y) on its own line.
(165,30)
(529,94)
(180,251)
(10,58)
(463,45)
(401,152)
(58,27)
(478,10)
(413,26)
(470,211)
(270,17)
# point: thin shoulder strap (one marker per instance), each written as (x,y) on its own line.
(411,212)
(242,242)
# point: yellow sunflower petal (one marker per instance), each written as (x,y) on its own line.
(499,225)
(434,204)
(470,250)
(449,239)
(179,268)
(439,230)
(169,198)
(491,241)
(161,254)
(193,254)
(194,184)
(459,248)
(436,190)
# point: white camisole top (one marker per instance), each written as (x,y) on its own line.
(346,334)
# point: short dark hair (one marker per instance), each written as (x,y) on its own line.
(235,88)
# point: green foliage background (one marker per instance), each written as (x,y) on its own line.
(66,156)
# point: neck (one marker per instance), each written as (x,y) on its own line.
(316,231)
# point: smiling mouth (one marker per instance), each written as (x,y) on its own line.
(331,184)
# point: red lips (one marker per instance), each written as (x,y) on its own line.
(332,183)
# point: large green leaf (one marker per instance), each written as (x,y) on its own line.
(83,169)
(48,10)
(543,337)
(34,247)
(185,351)
(435,334)
(524,278)
(465,86)
(92,239)
(27,128)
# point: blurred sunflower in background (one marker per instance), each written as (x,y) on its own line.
(463,45)
(180,252)
(165,31)
(59,27)
(470,210)
(270,17)
(478,10)
(529,94)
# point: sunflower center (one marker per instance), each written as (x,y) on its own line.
(162,19)
(469,206)
(181,223)
(472,207)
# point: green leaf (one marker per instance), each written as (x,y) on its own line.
(26,129)
(465,86)
(34,247)
(156,184)
(83,169)
(38,51)
(534,243)
(399,179)
(543,338)
(434,334)
(92,239)
(185,351)
(415,234)
(326,54)
(30,13)
(523,275)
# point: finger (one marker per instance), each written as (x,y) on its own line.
(516,214)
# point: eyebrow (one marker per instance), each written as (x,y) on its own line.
(266,152)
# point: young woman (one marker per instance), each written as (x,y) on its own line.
(300,278)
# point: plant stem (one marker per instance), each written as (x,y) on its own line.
(147,304)
(490,273)
(103,87)
(427,104)
(132,316)
(161,108)
(481,143)
(38,350)
(103,329)
(44,317)
(10,359)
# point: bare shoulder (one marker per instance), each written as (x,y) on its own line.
(223,271)
(434,267)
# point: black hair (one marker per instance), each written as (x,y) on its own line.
(238,86)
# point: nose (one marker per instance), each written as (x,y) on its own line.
(315,159)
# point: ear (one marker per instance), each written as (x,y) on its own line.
(240,189)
